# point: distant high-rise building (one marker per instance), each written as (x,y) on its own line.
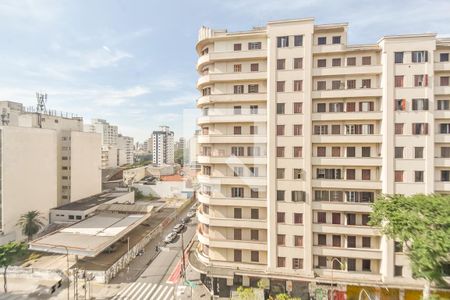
(126,145)
(109,132)
(163,146)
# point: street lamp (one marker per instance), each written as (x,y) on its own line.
(68,277)
(332,273)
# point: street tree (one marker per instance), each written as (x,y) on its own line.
(9,254)
(422,224)
(30,223)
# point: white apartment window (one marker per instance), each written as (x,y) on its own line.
(238,171)
(253,151)
(298,40)
(351,61)
(298,196)
(398,57)
(280,173)
(237,192)
(239,89)
(281,64)
(297,173)
(444,80)
(280,108)
(253,88)
(444,128)
(254,45)
(418,176)
(237,110)
(443,104)
(420,80)
(237,151)
(253,129)
(280,86)
(254,109)
(366,106)
(445,152)
(336,107)
(336,39)
(336,62)
(254,67)
(297,263)
(320,129)
(366,60)
(321,63)
(298,84)
(298,63)
(237,47)
(254,171)
(419,104)
(282,41)
(321,85)
(444,57)
(420,128)
(322,40)
(237,68)
(419,56)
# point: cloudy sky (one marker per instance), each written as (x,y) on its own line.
(132,61)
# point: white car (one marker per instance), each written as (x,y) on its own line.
(170,237)
(178,228)
(190,213)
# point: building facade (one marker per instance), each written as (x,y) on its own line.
(300,132)
(28,177)
(163,146)
(78,152)
(126,144)
(109,132)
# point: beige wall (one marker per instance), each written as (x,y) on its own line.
(85,165)
(28,176)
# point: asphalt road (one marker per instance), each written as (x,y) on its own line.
(162,266)
(141,264)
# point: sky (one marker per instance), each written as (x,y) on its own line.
(132,62)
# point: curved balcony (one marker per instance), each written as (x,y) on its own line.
(442,114)
(363,253)
(231,180)
(362,207)
(224,77)
(352,70)
(231,98)
(339,116)
(345,229)
(347,161)
(347,139)
(202,238)
(203,218)
(255,160)
(247,118)
(442,162)
(231,139)
(238,223)
(239,244)
(442,186)
(442,138)
(347,93)
(230,56)
(228,201)
(442,90)
(351,184)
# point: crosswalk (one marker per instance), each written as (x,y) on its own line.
(146,291)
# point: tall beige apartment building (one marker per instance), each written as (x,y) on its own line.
(300,132)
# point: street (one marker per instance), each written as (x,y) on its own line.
(152,282)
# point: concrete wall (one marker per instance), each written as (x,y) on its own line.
(86,174)
(28,174)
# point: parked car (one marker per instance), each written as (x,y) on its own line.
(178,228)
(185,220)
(190,213)
(170,237)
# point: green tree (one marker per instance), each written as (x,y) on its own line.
(179,157)
(10,253)
(30,223)
(422,224)
(246,293)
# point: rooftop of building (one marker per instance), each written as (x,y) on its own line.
(91,236)
(91,201)
(174,177)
